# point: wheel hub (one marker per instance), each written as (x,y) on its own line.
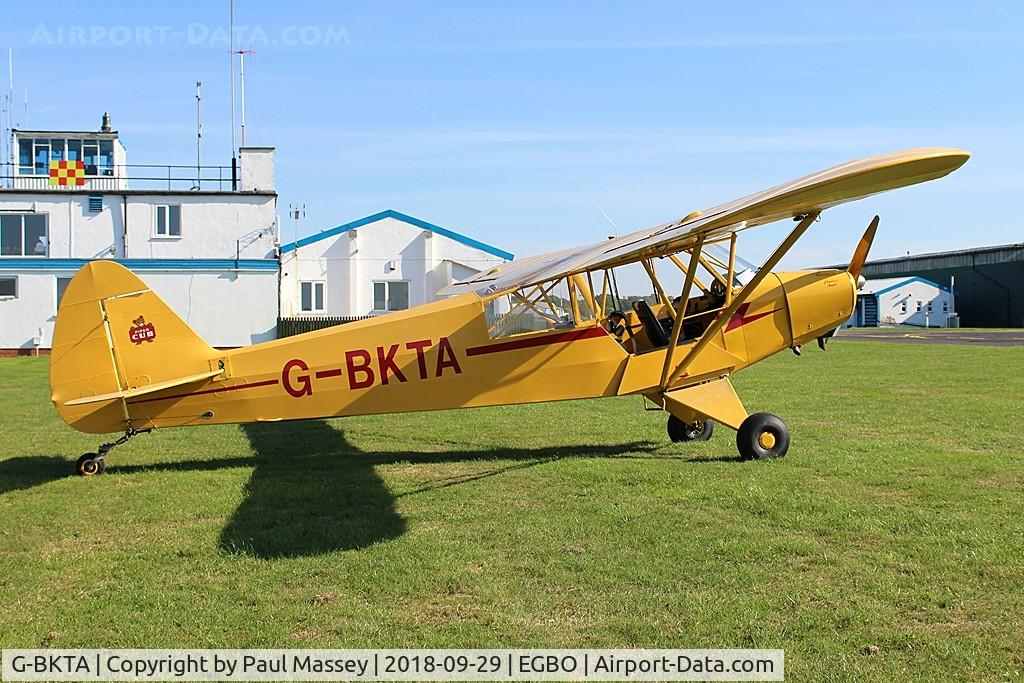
(766,440)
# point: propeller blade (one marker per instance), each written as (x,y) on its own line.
(861,254)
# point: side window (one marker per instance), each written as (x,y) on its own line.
(918,306)
(312,297)
(23,235)
(929,306)
(398,296)
(8,287)
(903,306)
(62,285)
(391,295)
(168,220)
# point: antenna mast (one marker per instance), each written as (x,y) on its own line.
(199,135)
(231,65)
(8,134)
(241,85)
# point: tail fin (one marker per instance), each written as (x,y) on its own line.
(861,254)
(114,338)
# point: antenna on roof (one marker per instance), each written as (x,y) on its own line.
(241,85)
(231,64)
(199,136)
(8,119)
(295,212)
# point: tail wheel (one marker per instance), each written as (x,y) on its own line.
(90,465)
(761,436)
(689,431)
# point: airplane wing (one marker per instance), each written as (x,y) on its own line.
(815,192)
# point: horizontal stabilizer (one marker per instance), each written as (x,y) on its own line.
(145,389)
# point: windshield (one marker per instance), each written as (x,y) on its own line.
(744,269)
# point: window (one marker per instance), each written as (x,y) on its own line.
(918,306)
(168,220)
(42,157)
(35,155)
(929,306)
(23,235)
(945,307)
(24,156)
(312,296)
(392,295)
(903,306)
(8,287)
(106,165)
(62,285)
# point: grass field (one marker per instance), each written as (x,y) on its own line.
(888,545)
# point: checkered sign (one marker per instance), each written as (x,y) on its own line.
(67,173)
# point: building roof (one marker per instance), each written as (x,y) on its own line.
(399,216)
(998,253)
(63,133)
(887,284)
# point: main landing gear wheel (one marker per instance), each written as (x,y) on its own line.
(761,436)
(689,431)
(90,465)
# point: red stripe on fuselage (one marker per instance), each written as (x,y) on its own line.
(539,340)
(740,317)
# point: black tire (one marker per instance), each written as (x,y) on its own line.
(680,431)
(90,465)
(762,436)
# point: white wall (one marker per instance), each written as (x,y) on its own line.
(890,310)
(227,308)
(213,225)
(351,261)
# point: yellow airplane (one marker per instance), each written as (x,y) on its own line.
(546,328)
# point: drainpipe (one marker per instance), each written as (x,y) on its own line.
(71,231)
(124,237)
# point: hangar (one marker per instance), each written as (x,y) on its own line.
(988,282)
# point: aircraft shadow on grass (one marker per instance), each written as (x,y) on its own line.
(313,492)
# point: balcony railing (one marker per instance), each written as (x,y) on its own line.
(127,176)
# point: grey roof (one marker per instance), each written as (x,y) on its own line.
(993,254)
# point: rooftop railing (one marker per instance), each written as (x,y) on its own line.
(173,177)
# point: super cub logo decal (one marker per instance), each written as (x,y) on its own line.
(365,368)
(141,331)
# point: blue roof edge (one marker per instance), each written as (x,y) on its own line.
(43,263)
(914,278)
(405,218)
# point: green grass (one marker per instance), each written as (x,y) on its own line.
(896,521)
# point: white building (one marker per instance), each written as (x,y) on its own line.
(912,301)
(385,262)
(206,245)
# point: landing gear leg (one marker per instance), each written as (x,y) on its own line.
(93,464)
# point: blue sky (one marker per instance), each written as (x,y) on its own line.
(511,122)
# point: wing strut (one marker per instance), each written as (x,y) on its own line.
(677,326)
(748,289)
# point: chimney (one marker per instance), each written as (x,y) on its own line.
(105,126)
